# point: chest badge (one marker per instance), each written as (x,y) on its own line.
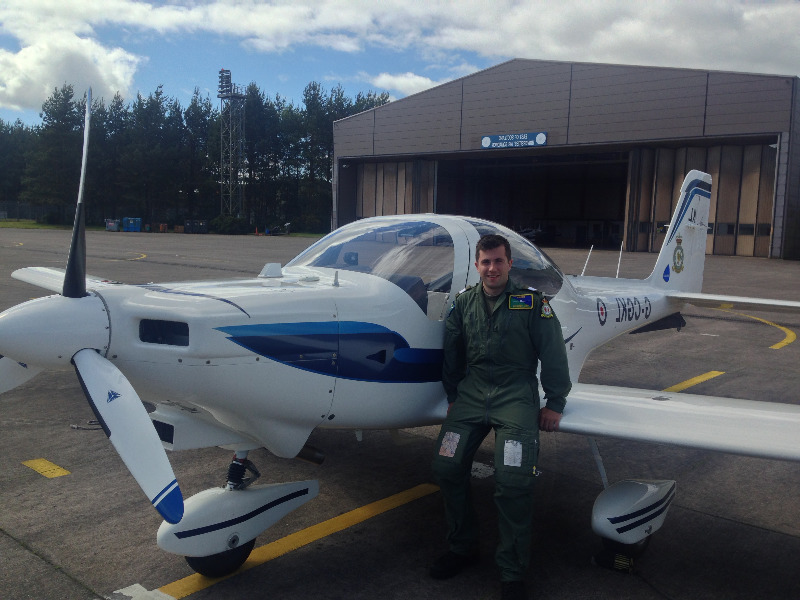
(520,301)
(547,311)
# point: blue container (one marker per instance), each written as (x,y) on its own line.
(131,224)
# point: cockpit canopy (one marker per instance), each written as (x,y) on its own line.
(418,256)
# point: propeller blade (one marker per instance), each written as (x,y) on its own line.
(75,277)
(126,423)
(13,373)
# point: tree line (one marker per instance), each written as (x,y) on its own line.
(155,159)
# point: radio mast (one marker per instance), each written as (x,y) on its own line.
(231,145)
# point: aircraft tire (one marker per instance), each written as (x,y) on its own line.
(224,563)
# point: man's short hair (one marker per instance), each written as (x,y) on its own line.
(490,242)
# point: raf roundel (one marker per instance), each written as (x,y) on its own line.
(602,312)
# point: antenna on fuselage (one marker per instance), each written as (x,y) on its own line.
(619,260)
(587,260)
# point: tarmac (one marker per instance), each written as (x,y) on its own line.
(733,531)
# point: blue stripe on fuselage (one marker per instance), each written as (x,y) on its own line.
(350,350)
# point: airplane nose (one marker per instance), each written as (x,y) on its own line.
(47,332)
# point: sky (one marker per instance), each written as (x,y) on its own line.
(397,46)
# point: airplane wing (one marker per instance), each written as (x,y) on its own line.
(746,427)
(735,302)
(53,279)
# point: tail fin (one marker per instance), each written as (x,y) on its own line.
(682,258)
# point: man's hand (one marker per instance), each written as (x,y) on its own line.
(549,420)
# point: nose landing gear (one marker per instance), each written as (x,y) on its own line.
(239,467)
(220,525)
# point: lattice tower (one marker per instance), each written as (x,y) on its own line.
(232,160)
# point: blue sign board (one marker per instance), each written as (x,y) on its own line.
(514,140)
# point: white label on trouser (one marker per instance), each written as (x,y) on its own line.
(512,453)
(449,444)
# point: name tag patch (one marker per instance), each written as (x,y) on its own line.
(520,301)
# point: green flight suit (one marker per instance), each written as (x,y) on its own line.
(489,374)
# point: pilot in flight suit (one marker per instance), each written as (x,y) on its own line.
(496,334)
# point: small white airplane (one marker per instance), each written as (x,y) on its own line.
(348,335)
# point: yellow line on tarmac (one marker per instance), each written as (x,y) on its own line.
(790,335)
(694,381)
(194,583)
(45,467)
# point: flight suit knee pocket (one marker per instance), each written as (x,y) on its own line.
(516,455)
(451,449)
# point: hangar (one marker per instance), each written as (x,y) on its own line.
(580,153)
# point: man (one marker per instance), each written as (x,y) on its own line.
(496,333)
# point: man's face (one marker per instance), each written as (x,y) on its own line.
(493,268)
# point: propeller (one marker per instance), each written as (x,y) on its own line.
(127,425)
(13,373)
(75,326)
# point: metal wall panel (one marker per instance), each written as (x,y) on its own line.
(353,136)
(789,240)
(730,174)
(409,187)
(517,97)
(368,183)
(427,186)
(393,188)
(427,122)
(390,189)
(616,103)
(739,103)
(748,201)
(401,189)
(662,195)
(713,161)
(644,219)
(766,193)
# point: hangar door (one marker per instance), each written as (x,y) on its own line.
(571,203)
(742,193)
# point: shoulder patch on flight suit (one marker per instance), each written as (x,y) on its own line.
(520,301)
(547,311)
(453,303)
(469,287)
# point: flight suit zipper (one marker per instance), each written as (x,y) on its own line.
(490,363)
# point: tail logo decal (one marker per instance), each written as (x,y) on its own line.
(666,274)
(677,257)
(697,187)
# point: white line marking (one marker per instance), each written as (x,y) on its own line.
(139,592)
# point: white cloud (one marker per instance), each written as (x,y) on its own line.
(403,83)
(62,41)
(31,75)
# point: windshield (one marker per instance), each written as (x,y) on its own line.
(530,266)
(417,256)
